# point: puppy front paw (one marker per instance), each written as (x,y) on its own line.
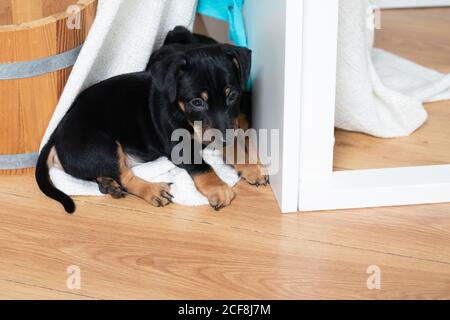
(220,196)
(253,174)
(158,194)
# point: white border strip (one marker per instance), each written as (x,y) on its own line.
(393,4)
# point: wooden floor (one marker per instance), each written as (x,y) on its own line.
(127,249)
(422,36)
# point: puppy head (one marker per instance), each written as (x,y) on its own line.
(205,83)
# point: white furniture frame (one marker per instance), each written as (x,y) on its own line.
(295,49)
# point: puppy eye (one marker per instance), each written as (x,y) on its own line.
(233,97)
(198,103)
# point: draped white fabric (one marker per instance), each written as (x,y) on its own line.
(379,93)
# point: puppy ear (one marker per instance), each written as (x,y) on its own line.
(165,74)
(242,58)
(180,35)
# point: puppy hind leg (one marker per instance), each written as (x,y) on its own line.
(111,187)
(157,194)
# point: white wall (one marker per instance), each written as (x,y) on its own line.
(216,29)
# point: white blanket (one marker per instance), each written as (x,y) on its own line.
(377,92)
(124,34)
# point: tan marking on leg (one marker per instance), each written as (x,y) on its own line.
(205,96)
(219,194)
(182,106)
(157,194)
(253,173)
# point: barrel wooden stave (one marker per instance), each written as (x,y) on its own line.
(27,104)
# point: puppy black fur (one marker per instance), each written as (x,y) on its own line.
(139,111)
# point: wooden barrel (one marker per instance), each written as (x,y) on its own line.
(39,43)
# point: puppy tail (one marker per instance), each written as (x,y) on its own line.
(45,184)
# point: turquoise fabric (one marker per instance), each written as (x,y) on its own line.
(229,11)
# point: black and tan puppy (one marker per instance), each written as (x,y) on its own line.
(130,119)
